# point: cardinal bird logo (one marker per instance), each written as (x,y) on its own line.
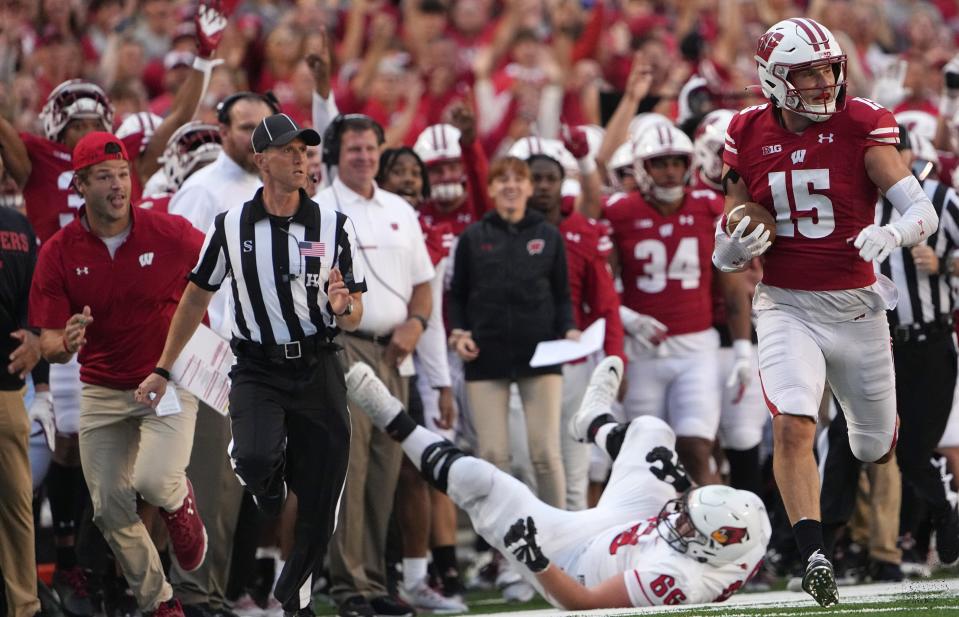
(767,43)
(729,535)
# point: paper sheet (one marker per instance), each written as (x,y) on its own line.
(203,369)
(562,351)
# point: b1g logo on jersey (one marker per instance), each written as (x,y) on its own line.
(773,149)
(535,246)
(729,535)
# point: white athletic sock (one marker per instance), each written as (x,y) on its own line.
(602,433)
(414,571)
(417,441)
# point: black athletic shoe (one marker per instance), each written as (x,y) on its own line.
(302,612)
(819,581)
(947,537)
(885,572)
(388,606)
(355,606)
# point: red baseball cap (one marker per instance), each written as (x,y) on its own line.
(96,147)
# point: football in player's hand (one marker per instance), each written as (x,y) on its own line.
(757,214)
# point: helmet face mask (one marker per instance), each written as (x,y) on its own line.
(438,146)
(795,45)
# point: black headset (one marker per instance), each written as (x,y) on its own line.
(334,132)
(223,107)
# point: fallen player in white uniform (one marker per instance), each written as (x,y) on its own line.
(653,539)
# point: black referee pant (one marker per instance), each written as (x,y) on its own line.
(925,381)
(290,422)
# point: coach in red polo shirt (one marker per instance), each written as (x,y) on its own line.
(106,286)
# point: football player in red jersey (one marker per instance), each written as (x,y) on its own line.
(41,165)
(817,161)
(663,236)
(593,296)
(457,168)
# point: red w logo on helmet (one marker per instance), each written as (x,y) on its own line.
(767,43)
(729,535)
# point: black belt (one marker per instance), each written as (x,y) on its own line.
(383,340)
(306,349)
(917,333)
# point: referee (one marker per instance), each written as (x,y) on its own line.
(924,353)
(294,284)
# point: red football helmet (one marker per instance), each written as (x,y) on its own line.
(73,99)
(797,44)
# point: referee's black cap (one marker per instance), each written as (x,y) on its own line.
(279,130)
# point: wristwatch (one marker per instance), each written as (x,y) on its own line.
(347,311)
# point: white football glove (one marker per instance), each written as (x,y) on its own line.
(648,331)
(733,252)
(889,88)
(875,242)
(742,372)
(41,412)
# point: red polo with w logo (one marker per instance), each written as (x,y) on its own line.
(132,296)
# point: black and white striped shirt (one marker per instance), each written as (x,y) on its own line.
(923,298)
(279,268)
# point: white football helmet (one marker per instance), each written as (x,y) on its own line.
(191,147)
(710,139)
(918,123)
(639,124)
(620,163)
(143,122)
(797,44)
(75,98)
(661,139)
(715,524)
(440,143)
(525,147)
(925,157)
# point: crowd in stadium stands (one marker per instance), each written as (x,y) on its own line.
(592,136)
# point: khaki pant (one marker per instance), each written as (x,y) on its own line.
(358,546)
(125,449)
(218,497)
(542,397)
(875,523)
(17,558)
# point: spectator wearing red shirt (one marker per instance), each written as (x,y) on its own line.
(593,297)
(106,286)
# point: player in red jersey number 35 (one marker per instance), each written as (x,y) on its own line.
(816,160)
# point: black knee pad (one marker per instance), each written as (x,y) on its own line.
(436,462)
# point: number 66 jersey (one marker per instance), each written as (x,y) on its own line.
(815,184)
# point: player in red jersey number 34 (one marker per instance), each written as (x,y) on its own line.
(816,159)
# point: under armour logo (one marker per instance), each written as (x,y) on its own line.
(686,219)
(83,270)
(312,279)
(573,237)
(825,138)
(146,259)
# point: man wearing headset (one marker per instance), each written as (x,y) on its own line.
(398,271)
(228,182)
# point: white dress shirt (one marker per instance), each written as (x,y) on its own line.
(216,188)
(392,248)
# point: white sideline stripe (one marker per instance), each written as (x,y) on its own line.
(780,601)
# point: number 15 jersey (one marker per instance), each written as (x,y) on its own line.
(815,184)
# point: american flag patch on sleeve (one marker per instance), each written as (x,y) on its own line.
(312,249)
